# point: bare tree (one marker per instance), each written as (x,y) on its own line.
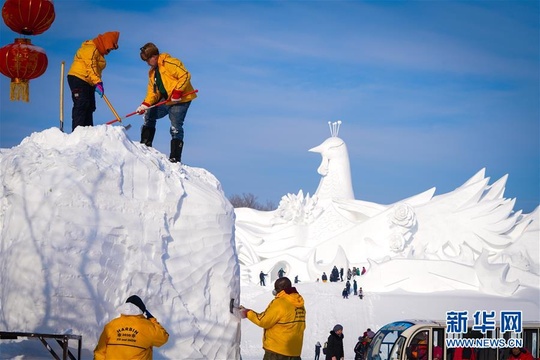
(250,201)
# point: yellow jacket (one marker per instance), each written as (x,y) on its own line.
(130,337)
(284,322)
(89,60)
(174,76)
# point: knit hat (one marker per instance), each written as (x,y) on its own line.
(338,327)
(107,41)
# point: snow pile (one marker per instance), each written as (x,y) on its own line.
(90,218)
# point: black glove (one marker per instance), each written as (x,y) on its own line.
(148,315)
(135,300)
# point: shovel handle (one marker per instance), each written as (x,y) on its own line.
(111,107)
(135,112)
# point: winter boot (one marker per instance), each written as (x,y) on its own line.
(147,135)
(176,150)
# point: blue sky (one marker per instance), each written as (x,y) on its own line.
(429,92)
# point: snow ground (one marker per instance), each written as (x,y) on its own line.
(325,307)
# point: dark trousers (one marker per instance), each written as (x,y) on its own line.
(268,355)
(84,102)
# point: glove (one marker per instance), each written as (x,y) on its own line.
(148,315)
(135,300)
(99,89)
(142,108)
(243,312)
(176,95)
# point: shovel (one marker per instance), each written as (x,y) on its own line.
(135,112)
(128,126)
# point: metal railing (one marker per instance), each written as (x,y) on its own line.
(61,339)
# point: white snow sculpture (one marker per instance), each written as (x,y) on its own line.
(90,218)
(456,239)
(336,180)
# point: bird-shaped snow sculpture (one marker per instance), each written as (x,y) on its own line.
(308,234)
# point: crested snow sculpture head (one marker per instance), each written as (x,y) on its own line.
(335,168)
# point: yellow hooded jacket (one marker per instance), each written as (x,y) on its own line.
(284,322)
(89,60)
(130,337)
(174,76)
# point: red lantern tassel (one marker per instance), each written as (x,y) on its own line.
(19,90)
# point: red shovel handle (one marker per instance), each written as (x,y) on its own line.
(158,104)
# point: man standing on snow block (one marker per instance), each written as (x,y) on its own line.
(262,278)
(132,335)
(283,321)
(169,80)
(84,76)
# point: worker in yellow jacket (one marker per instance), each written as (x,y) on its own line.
(84,76)
(283,321)
(168,79)
(132,335)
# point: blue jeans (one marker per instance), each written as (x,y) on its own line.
(177,114)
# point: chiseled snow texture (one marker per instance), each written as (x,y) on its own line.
(90,218)
(468,239)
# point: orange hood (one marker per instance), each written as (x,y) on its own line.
(108,40)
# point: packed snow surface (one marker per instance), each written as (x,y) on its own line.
(90,218)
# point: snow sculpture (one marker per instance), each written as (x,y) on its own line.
(90,218)
(470,238)
(336,180)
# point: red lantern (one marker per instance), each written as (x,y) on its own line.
(22,61)
(28,17)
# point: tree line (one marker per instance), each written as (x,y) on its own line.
(250,201)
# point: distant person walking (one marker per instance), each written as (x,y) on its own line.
(317,350)
(334,275)
(132,335)
(262,277)
(334,347)
(84,76)
(168,80)
(281,273)
(283,321)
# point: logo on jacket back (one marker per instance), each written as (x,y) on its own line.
(126,334)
